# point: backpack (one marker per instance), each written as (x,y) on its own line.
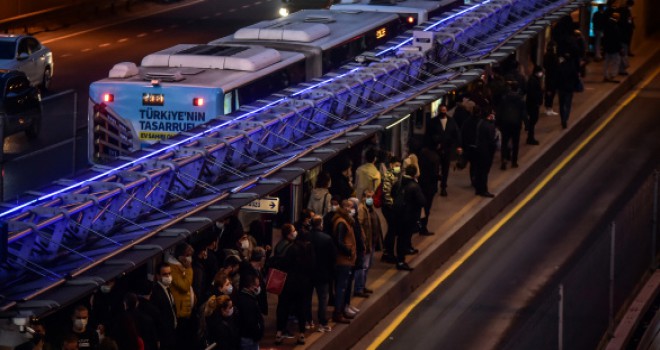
(378,196)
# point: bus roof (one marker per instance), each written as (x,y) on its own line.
(195,65)
(421,8)
(405,6)
(318,28)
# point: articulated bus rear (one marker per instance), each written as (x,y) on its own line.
(178,88)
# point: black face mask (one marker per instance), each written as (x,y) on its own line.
(443,115)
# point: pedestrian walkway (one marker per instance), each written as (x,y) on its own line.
(456,218)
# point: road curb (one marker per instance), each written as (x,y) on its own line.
(400,287)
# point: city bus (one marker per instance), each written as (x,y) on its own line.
(412,12)
(176,89)
(327,38)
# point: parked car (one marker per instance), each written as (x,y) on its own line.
(20,106)
(26,54)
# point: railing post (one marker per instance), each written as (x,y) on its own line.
(611,311)
(560,325)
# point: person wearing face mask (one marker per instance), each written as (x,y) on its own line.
(105,305)
(343,236)
(256,266)
(161,298)
(408,202)
(390,177)
(222,284)
(370,230)
(328,217)
(86,336)
(245,245)
(367,176)
(250,320)
(221,323)
(291,301)
(534,100)
(182,292)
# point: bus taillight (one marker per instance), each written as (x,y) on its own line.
(108,97)
(198,101)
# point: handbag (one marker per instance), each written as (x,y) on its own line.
(275,281)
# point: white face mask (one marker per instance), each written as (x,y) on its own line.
(258,291)
(105,289)
(294,234)
(245,244)
(352,212)
(167,280)
(228,290)
(80,323)
(187,259)
(334,208)
(396,170)
(539,74)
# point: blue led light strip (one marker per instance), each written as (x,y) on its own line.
(225,124)
(407,41)
(162,150)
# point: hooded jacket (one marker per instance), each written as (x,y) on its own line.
(320,201)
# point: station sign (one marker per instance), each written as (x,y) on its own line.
(269,205)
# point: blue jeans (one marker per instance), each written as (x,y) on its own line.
(342,275)
(249,344)
(361,274)
(611,65)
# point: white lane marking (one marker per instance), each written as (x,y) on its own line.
(172,26)
(157,30)
(218,14)
(258,3)
(122,40)
(245,6)
(65,55)
(141,35)
(205,17)
(105,45)
(232,10)
(86,50)
(67,36)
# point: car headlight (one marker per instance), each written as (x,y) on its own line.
(284,12)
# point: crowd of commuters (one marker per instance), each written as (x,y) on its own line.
(212,290)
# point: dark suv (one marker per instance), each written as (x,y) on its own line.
(20,106)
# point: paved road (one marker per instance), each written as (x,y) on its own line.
(472,307)
(85,53)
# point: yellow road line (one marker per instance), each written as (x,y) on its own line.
(469,252)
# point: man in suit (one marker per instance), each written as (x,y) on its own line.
(445,136)
(163,300)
